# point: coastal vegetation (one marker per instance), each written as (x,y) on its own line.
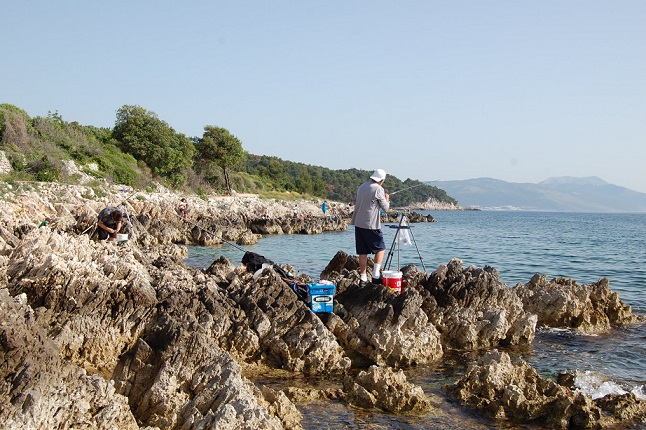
(142,149)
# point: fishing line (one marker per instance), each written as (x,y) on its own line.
(399,191)
(211,233)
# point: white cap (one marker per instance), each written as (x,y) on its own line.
(379,175)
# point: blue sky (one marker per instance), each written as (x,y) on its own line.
(431,90)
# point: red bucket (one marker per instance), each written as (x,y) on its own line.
(393,280)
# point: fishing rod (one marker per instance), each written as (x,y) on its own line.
(211,233)
(399,191)
(127,198)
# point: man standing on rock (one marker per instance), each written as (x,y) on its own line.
(109,223)
(371,199)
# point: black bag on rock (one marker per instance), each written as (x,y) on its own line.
(254,261)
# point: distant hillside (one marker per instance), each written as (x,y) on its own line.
(562,194)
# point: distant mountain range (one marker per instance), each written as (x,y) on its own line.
(561,194)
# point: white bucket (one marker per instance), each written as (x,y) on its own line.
(393,280)
(122,237)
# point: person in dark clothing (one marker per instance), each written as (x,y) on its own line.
(109,223)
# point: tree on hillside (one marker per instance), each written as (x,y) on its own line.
(219,146)
(151,140)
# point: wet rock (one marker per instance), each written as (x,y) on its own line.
(566,379)
(310,395)
(414,217)
(292,225)
(386,389)
(247,238)
(266,226)
(515,391)
(564,303)
(281,406)
(625,408)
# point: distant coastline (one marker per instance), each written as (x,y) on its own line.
(564,194)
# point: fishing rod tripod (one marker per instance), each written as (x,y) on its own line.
(124,211)
(404,226)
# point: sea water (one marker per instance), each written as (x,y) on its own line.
(582,246)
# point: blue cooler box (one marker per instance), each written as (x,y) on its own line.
(321,297)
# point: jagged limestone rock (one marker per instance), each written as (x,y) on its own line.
(131,336)
(386,389)
(564,303)
(39,389)
(514,390)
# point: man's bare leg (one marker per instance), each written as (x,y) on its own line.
(363,264)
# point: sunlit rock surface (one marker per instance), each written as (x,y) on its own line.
(564,303)
(386,389)
(507,390)
(104,335)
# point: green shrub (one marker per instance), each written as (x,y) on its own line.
(121,168)
(44,170)
(94,173)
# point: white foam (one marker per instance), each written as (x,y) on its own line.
(559,330)
(554,330)
(596,385)
(639,392)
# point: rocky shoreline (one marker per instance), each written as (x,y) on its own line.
(100,335)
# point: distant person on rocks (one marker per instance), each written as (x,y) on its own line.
(183,208)
(369,239)
(324,207)
(109,223)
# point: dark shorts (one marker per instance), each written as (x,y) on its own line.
(368,241)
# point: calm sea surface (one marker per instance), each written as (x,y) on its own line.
(581,246)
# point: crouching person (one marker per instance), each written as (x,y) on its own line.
(109,223)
